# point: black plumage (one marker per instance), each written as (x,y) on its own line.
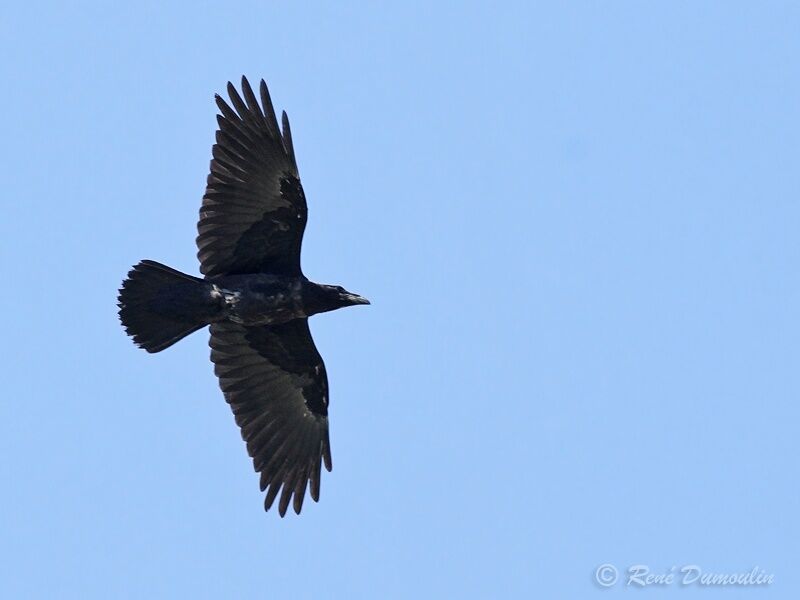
(255,298)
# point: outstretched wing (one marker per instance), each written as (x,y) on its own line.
(275,381)
(254,211)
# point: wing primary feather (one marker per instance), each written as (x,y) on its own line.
(290,480)
(252,103)
(261,449)
(326,452)
(288,489)
(278,480)
(300,490)
(263,480)
(226,110)
(241,107)
(233,124)
(287,139)
(274,486)
(272,455)
(281,455)
(269,111)
(315,476)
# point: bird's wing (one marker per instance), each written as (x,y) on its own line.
(254,211)
(275,381)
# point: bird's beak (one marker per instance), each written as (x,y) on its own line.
(356,299)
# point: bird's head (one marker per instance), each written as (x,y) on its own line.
(322,298)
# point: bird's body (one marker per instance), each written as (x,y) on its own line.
(254,297)
(260,299)
(263,299)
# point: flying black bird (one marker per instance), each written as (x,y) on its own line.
(254,296)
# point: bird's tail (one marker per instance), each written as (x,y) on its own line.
(159,306)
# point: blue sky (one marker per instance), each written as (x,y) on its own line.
(577,223)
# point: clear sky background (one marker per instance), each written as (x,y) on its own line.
(577,223)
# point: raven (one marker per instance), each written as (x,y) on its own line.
(254,296)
